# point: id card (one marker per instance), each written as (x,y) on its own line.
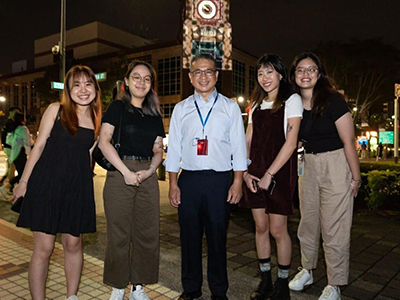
(202,147)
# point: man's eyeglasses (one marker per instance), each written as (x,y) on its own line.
(138,79)
(208,72)
(309,70)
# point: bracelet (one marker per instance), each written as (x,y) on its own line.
(154,168)
(23,181)
(358,185)
(356,180)
(272,175)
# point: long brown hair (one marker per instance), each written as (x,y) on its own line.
(69,117)
(151,103)
(323,89)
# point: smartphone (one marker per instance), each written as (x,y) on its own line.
(255,186)
(271,187)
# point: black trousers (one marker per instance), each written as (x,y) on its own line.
(204,208)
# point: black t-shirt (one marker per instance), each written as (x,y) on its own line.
(138,132)
(319,134)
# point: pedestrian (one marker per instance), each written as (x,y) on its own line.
(9,127)
(131,193)
(331,176)
(363,149)
(57,181)
(206,141)
(270,182)
(21,142)
(379,152)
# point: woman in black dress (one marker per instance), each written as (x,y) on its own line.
(131,194)
(57,182)
(271,139)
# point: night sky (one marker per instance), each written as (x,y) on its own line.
(285,27)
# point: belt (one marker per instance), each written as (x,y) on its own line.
(138,158)
(205,172)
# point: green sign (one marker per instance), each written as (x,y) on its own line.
(101,76)
(60,86)
(57,85)
(386,137)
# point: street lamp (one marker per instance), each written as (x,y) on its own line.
(2,99)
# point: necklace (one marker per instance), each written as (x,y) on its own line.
(139,110)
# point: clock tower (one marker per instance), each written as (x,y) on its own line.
(206,28)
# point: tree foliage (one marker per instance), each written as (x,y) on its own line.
(366,70)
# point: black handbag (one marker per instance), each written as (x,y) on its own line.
(98,156)
(17,205)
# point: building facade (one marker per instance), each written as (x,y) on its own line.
(103,52)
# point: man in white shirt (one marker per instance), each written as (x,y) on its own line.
(206,141)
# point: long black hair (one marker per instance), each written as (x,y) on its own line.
(285,89)
(151,103)
(323,89)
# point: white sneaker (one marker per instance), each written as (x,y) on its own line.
(73,297)
(301,280)
(117,294)
(330,293)
(138,294)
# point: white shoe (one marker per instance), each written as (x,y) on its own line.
(330,293)
(73,297)
(301,280)
(117,294)
(138,294)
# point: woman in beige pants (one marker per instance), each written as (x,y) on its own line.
(331,176)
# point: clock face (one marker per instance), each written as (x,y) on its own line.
(207,9)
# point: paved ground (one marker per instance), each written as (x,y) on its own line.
(375,257)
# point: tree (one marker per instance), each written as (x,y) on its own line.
(366,70)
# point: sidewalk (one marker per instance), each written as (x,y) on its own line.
(374,267)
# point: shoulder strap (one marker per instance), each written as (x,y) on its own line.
(117,144)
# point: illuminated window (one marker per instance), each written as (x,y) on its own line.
(169,76)
(239,78)
(166,109)
(252,78)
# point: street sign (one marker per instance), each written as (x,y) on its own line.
(101,76)
(57,85)
(386,137)
(60,86)
(397,90)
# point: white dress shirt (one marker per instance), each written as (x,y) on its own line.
(224,131)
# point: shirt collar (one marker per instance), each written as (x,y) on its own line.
(211,98)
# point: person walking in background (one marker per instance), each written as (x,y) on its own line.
(331,176)
(271,139)
(9,127)
(379,152)
(131,193)
(21,143)
(57,181)
(206,141)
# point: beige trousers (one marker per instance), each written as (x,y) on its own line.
(326,208)
(132,213)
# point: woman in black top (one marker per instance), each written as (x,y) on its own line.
(131,194)
(331,175)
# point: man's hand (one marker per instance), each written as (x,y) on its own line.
(174,195)
(235,192)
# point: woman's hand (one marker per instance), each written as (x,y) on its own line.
(19,191)
(131,178)
(144,174)
(250,180)
(265,181)
(354,187)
